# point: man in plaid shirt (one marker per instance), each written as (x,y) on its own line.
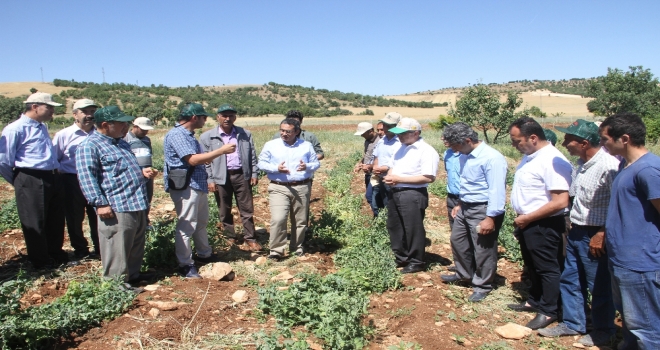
(112,182)
(585,267)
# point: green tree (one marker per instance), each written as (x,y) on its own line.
(480,107)
(10,109)
(635,91)
(537,112)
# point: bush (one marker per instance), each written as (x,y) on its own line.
(9,219)
(443,120)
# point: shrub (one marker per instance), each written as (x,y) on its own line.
(9,219)
(443,120)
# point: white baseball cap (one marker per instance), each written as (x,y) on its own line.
(143,123)
(362,128)
(85,102)
(406,124)
(42,97)
(392,118)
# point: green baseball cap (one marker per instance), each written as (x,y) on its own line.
(111,114)
(193,109)
(227,108)
(583,129)
(550,136)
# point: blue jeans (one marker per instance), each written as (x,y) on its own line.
(637,298)
(379,195)
(584,273)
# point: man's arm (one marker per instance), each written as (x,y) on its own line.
(393,180)
(206,147)
(496,180)
(8,145)
(202,158)
(253,160)
(317,147)
(267,162)
(558,201)
(88,169)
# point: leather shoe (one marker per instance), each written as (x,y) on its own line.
(522,307)
(477,297)
(142,277)
(209,259)
(254,246)
(401,264)
(451,278)
(274,257)
(413,269)
(541,321)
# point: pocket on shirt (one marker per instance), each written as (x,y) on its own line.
(113,164)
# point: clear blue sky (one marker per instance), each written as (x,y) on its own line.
(371,47)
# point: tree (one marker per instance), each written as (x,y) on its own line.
(10,109)
(480,107)
(635,91)
(537,112)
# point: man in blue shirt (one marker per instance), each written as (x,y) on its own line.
(453,169)
(383,152)
(185,161)
(632,231)
(290,163)
(29,163)
(112,181)
(479,214)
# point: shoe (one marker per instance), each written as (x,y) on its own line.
(541,321)
(254,246)
(274,257)
(299,253)
(190,272)
(559,331)
(142,277)
(209,259)
(94,256)
(451,268)
(451,278)
(81,255)
(401,264)
(477,297)
(126,287)
(413,269)
(597,338)
(522,307)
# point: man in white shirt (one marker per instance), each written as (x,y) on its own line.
(413,167)
(65,143)
(539,196)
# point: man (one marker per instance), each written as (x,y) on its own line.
(479,214)
(632,231)
(453,169)
(383,152)
(141,146)
(413,167)
(539,196)
(65,143)
(112,181)
(585,267)
(233,174)
(29,163)
(289,163)
(184,168)
(304,135)
(366,130)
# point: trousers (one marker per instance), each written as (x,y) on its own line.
(192,209)
(121,240)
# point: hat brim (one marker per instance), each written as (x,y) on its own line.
(144,127)
(358,133)
(85,106)
(124,118)
(388,122)
(54,104)
(564,130)
(398,130)
(227,110)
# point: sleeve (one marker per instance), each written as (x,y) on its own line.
(253,157)
(558,175)
(648,179)
(317,145)
(206,148)
(266,160)
(496,179)
(312,164)
(89,171)
(430,161)
(182,148)
(8,143)
(58,145)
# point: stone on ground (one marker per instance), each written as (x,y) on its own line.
(513,331)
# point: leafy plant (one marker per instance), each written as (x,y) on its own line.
(9,216)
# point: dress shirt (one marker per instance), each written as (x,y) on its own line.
(453,168)
(233,159)
(65,143)
(420,158)
(385,149)
(306,136)
(277,151)
(591,189)
(483,178)
(178,143)
(109,174)
(25,143)
(537,174)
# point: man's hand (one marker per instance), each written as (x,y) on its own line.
(367,168)
(597,244)
(302,166)
(487,226)
(380,170)
(392,180)
(357,167)
(228,148)
(254,181)
(454,211)
(212,187)
(105,212)
(521,221)
(149,173)
(283,169)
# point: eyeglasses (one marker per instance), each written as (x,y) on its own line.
(288,132)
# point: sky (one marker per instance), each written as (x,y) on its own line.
(378,47)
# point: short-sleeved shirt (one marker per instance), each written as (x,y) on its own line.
(537,174)
(419,158)
(385,149)
(141,147)
(179,143)
(633,223)
(453,168)
(591,188)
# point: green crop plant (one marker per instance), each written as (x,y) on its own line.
(9,219)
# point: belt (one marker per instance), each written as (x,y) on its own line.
(451,195)
(474,203)
(586,227)
(400,189)
(292,183)
(36,172)
(234,171)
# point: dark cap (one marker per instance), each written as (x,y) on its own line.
(583,129)
(111,114)
(227,108)
(192,109)
(550,136)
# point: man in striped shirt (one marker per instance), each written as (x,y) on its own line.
(585,267)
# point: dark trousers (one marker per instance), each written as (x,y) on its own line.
(39,199)
(452,201)
(237,187)
(75,207)
(405,223)
(150,196)
(541,247)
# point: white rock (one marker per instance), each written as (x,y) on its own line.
(216,271)
(154,312)
(164,305)
(282,276)
(424,275)
(513,331)
(578,345)
(240,296)
(152,287)
(261,260)
(168,207)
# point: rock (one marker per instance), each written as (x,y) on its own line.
(240,296)
(578,345)
(261,260)
(440,324)
(483,322)
(164,305)
(154,312)
(389,300)
(37,298)
(513,331)
(152,287)
(467,343)
(216,271)
(168,207)
(448,305)
(424,275)
(282,276)
(418,290)
(427,284)
(248,262)
(283,288)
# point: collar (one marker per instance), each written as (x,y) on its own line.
(29,121)
(298,142)
(233,132)
(477,151)
(107,138)
(591,162)
(540,151)
(184,130)
(86,132)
